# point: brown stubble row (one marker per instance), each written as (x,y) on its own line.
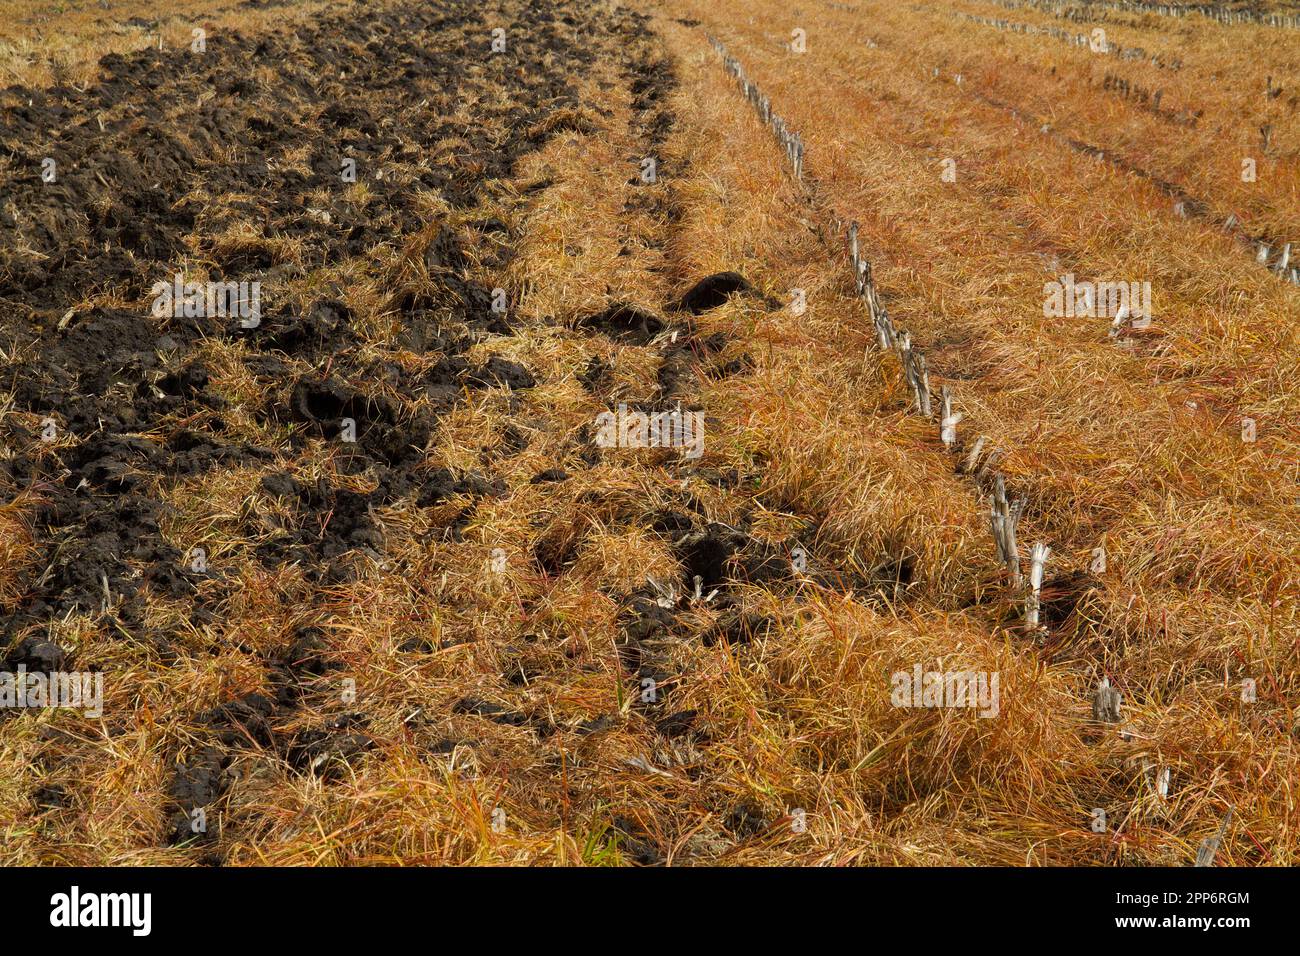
(1201,587)
(811,709)
(1192,362)
(1043,196)
(1274,14)
(1214,110)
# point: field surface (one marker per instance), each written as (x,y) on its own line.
(368,576)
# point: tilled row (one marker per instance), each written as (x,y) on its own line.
(116,405)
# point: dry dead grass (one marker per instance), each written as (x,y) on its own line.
(1197,525)
(1199,529)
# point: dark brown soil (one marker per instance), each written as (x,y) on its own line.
(142,157)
